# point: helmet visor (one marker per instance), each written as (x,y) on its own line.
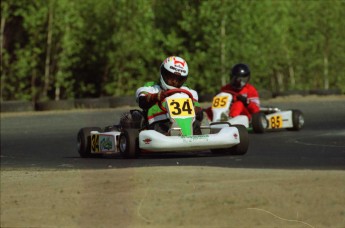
(239,82)
(172,79)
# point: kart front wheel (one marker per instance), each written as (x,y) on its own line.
(242,147)
(129,144)
(84,141)
(297,120)
(259,122)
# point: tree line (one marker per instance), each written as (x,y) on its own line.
(67,49)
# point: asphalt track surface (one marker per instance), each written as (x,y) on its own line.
(48,140)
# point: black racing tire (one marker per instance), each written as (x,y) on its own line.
(297,120)
(84,142)
(242,147)
(259,122)
(129,143)
(219,151)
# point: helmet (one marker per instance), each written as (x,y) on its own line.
(174,72)
(240,75)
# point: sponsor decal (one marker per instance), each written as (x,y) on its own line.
(177,70)
(147,140)
(179,62)
(194,138)
(106,144)
(235,136)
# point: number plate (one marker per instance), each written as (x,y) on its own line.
(95,143)
(276,121)
(220,101)
(180,107)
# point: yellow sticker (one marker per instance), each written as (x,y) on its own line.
(276,121)
(220,102)
(94,143)
(181,107)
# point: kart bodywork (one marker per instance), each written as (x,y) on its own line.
(269,118)
(220,108)
(133,137)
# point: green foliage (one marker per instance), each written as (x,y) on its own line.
(65,49)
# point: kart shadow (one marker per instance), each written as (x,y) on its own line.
(174,155)
(156,156)
(205,159)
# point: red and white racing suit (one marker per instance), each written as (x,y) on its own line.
(237,106)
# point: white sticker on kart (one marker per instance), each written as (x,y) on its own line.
(106,143)
(180,107)
(102,143)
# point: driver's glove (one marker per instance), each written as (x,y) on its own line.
(243,99)
(154,97)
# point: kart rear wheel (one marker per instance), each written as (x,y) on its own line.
(129,144)
(84,142)
(242,147)
(259,122)
(297,120)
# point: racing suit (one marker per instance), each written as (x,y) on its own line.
(156,117)
(246,102)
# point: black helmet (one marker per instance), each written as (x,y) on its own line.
(239,76)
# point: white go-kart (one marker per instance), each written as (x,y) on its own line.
(269,118)
(133,137)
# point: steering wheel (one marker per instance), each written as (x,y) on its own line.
(173,91)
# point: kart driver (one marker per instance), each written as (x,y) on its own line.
(173,75)
(245,96)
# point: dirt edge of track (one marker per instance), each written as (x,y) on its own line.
(172,196)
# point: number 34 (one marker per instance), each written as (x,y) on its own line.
(181,107)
